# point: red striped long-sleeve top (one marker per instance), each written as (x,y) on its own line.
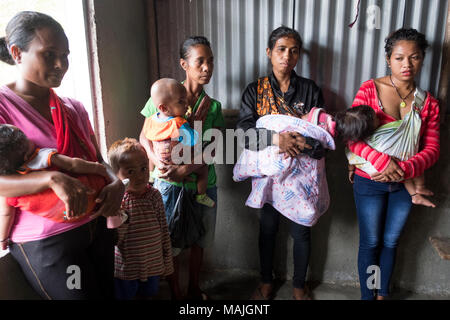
(429,135)
(144,248)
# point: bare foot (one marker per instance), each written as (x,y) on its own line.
(424,191)
(380,298)
(421,200)
(301,294)
(263,292)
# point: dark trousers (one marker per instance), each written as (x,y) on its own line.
(74,265)
(269,221)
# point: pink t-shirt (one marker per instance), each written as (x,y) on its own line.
(16,111)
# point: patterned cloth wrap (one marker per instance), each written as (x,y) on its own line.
(399,139)
(296,187)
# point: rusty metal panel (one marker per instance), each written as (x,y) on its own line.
(337,57)
(238,31)
(340,58)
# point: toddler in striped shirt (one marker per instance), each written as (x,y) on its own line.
(143,252)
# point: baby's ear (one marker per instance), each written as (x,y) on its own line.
(162,108)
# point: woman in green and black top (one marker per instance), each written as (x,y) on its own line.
(197,60)
(282,92)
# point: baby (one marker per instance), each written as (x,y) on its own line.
(168,127)
(361,123)
(18,154)
(295,186)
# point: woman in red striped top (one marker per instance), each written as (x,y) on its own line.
(382,202)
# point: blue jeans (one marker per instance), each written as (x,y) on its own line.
(170,192)
(382,209)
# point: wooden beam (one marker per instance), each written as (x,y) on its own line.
(444,83)
(152,42)
(442,246)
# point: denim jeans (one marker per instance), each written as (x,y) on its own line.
(170,192)
(382,209)
(269,221)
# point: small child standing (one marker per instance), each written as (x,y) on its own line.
(361,123)
(143,252)
(168,127)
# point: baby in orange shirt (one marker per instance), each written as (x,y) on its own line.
(168,127)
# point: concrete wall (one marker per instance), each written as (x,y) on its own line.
(335,237)
(123,61)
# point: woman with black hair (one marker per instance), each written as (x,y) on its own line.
(49,251)
(197,60)
(382,202)
(282,92)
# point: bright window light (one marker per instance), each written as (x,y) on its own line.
(69,13)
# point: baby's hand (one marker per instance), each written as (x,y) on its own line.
(351,176)
(163,166)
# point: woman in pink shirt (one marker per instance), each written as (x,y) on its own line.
(382,202)
(48,252)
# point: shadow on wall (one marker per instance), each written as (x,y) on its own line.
(415,248)
(320,73)
(334,238)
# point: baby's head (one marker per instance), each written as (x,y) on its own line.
(14,148)
(129,160)
(170,97)
(356,123)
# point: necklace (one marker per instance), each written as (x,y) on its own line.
(403,103)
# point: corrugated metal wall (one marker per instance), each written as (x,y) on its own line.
(337,57)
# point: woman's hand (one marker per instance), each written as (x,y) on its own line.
(72,192)
(110,198)
(291,143)
(392,173)
(176,173)
(202,110)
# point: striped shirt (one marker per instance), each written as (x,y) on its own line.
(429,135)
(144,247)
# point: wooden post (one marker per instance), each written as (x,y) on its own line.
(152,42)
(444,84)
(442,246)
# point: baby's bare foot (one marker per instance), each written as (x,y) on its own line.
(420,200)
(424,191)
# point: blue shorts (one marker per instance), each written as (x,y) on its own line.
(170,192)
(128,289)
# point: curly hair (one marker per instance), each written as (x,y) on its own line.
(356,123)
(13,148)
(407,35)
(120,149)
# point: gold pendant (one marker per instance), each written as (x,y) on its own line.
(402,104)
